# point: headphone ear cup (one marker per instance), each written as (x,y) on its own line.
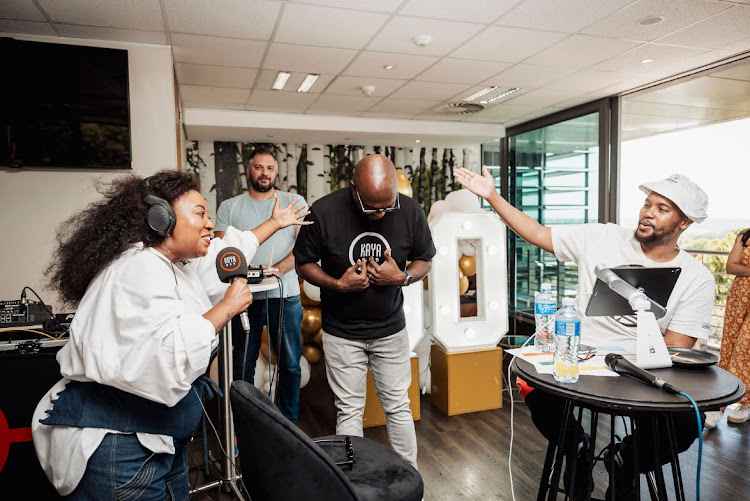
(161,218)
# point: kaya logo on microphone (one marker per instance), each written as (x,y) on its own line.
(230,261)
(368,245)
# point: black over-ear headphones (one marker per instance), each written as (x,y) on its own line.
(161,216)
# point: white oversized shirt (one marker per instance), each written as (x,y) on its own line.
(689,307)
(138,328)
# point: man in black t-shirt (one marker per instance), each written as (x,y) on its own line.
(363,237)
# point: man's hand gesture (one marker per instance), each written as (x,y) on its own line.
(483,186)
(354,278)
(387,273)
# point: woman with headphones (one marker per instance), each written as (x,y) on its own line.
(140,267)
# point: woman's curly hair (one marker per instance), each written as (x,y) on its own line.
(93,238)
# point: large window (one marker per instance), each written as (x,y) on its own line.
(553,177)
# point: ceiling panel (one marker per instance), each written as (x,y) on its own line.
(695,62)
(528,76)
(498,43)
(309,59)
(197,96)
(253,19)
(274,100)
(21,9)
(429,90)
(215,76)
(352,86)
(568,16)
(268,77)
(461,71)
(133,14)
(661,55)
(735,73)
(26,27)
(472,11)
(385,6)
(677,15)
(630,106)
(405,106)
(588,80)
(328,27)
(545,97)
(201,49)
(372,64)
(725,28)
(705,93)
(342,105)
(119,34)
(581,51)
(398,35)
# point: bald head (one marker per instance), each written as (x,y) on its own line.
(375,177)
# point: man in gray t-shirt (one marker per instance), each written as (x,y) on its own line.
(244,212)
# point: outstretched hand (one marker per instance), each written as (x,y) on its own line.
(387,273)
(483,186)
(290,214)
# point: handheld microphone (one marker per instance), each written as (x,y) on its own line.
(231,265)
(620,365)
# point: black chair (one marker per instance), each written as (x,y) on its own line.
(280,462)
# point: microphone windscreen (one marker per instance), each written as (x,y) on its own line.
(611,360)
(231,263)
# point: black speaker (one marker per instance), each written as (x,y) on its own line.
(161,216)
(26,378)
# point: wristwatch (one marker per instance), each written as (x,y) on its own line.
(408,279)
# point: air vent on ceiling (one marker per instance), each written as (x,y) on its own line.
(460,108)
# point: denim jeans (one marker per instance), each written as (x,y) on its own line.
(123,469)
(388,358)
(260,311)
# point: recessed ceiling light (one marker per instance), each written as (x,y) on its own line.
(417,141)
(308,82)
(501,95)
(281,79)
(650,20)
(388,67)
(480,93)
(646,61)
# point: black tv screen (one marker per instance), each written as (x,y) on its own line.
(63,106)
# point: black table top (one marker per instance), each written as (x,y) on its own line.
(710,387)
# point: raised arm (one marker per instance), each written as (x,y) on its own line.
(734,265)
(526,227)
(281,218)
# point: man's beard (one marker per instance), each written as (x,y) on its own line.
(259,187)
(659,235)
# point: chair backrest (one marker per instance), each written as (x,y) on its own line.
(278,460)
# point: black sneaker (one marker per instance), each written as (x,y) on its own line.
(623,472)
(583,483)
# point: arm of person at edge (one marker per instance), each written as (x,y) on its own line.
(530,230)
(389,273)
(526,227)
(734,266)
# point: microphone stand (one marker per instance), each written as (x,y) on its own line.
(229,476)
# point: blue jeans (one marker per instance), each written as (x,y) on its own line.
(123,469)
(262,310)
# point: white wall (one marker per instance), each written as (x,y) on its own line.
(35,201)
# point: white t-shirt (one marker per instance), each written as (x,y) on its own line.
(689,307)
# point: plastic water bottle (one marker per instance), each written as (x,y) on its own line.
(567,336)
(545,305)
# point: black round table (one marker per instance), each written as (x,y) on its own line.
(710,387)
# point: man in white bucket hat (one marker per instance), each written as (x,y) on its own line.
(670,207)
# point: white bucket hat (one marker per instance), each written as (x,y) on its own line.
(684,193)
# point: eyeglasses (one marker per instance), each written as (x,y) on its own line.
(397,206)
(587,355)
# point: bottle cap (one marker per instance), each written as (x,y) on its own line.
(568,301)
(546,287)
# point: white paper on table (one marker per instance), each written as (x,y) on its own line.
(543,361)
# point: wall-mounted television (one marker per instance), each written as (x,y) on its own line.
(63,106)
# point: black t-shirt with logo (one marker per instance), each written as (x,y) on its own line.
(340,235)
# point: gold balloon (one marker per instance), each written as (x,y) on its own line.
(318,338)
(463,285)
(306,301)
(468,265)
(404,186)
(312,353)
(312,320)
(425,285)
